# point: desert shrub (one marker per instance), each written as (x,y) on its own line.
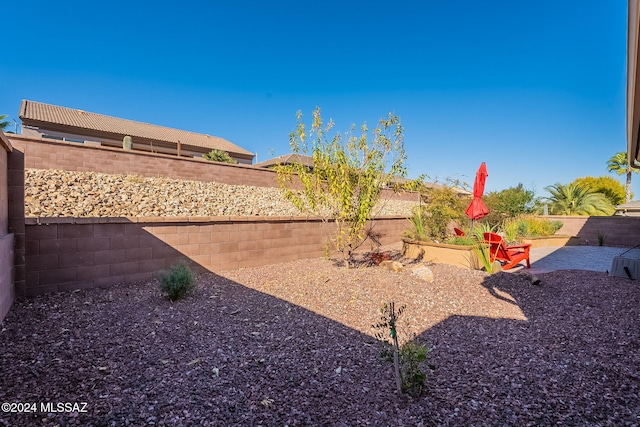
(436,220)
(408,357)
(482,249)
(412,355)
(178,282)
(444,206)
(610,187)
(530,226)
(417,229)
(461,240)
(602,238)
(510,202)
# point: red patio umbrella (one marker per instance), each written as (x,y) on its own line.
(477,209)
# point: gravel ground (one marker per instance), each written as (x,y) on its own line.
(291,344)
(55,193)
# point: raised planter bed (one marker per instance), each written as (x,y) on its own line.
(442,253)
(556,240)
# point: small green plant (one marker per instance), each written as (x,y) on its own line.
(178,282)
(326,248)
(461,241)
(408,358)
(412,355)
(418,228)
(482,249)
(127,143)
(219,156)
(511,231)
(602,237)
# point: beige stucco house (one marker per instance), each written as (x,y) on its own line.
(61,123)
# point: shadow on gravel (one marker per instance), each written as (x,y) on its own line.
(574,361)
(230,355)
(227,355)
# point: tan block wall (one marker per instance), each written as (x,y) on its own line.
(618,230)
(65,253)
(58,254)
(52,154)
(16,214)
(4,191)
(7,291)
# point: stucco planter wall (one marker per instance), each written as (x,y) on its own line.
(458,255)
(556,240)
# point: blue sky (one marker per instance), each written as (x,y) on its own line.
(534,89)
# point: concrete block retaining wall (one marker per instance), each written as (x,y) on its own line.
(72,253)
(71,156)
(57,254)
(618,230)
(7,293)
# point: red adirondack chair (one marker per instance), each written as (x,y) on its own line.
(458,232)
(509,256)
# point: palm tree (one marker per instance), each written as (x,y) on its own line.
(577,199)
(4,124)
(620,165)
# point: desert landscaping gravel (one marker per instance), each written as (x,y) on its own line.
(291,344)
(57,193)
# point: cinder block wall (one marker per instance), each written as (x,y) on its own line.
(51,154)
(618,230)
(56,254)
(65,253)
(7,293)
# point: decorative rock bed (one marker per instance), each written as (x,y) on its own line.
(56,193)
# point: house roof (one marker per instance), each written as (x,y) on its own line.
(38,114)
(287,159)
(308,161)
(633,205)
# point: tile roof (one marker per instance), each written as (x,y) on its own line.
(634,204)
(286,159)
(31,111)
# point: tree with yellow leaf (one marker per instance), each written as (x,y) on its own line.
(348,172)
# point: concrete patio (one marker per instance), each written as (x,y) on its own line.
(591,258)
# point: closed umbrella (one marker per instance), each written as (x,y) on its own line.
(477,209)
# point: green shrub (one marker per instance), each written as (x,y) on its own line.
(461,241)
(407,358)
(412,355)
(482,249)
(417,231)
(443,206)
(219,156)
(178,282)
(529,226)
